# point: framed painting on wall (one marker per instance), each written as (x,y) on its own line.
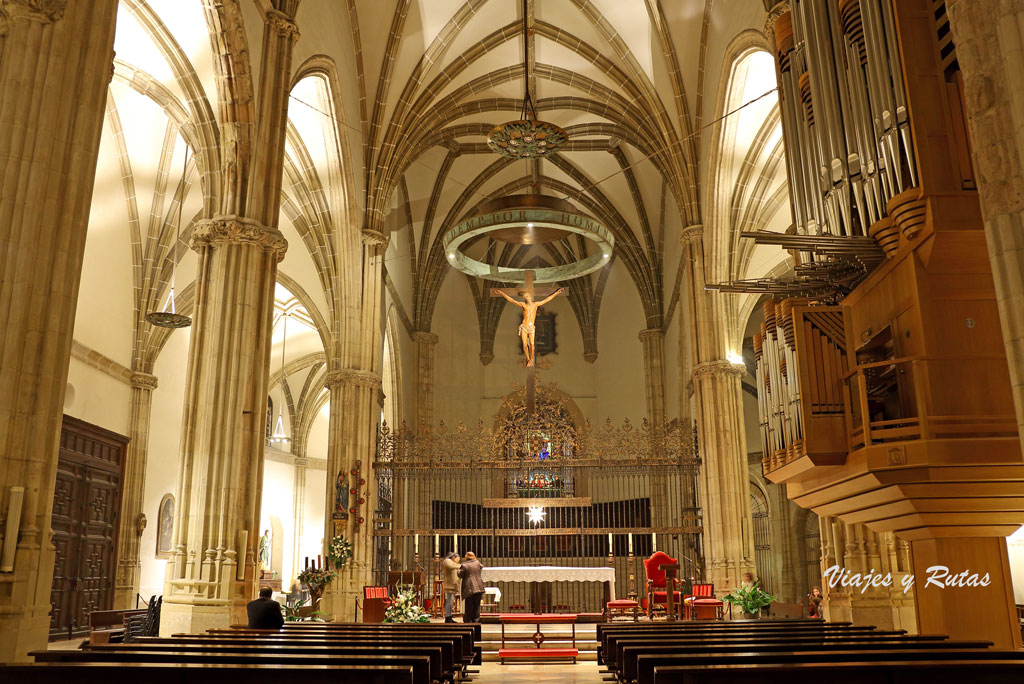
(165,520)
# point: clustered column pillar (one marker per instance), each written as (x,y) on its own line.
(351,438)
(55,64)
(725,495)
(212,572)
(133,491)
(653,341)
(425,343)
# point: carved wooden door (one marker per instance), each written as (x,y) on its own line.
(86,503)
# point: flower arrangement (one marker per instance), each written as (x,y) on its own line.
(339,551)
(317,578)
(750,599)
(403,607)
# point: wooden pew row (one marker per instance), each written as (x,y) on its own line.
(609,652)
(419,665)
(425,661)
(795,623)
(888,672)
(473,627)
(445,649)
(649,666)
(604,637)
(464,641)
(186,673)
(626,654)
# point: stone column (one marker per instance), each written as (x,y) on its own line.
(653,341)
(299,511)
(133,491)
(725,496)
(212,572)
(989,38)
(351,438)
(425,343)
(55,64)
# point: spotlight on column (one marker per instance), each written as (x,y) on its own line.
(733,357)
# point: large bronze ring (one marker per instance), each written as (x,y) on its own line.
(528,219)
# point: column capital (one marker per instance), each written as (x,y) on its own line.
(712,368)
(222,230)
(282,24)
(374,238)
(651,333)
(42,11)
(777,10)
(143,380)
(425,337)
(692,233)
(352,376)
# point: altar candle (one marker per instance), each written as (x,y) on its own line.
(609,543)
(456,542)
(319,558)
(416,543)
(631,542)
(307,562)
(437,543)
(654,542)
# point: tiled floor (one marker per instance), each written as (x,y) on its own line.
(543,673)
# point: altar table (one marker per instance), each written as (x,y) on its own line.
(549,573)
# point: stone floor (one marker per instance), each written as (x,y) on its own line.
(539,673)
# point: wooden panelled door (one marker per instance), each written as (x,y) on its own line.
(86,508)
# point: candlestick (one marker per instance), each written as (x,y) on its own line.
(437,543)
(416,543)
(654,542)
(306,566)
(318,561)
(631,542)
(609,542)
(456,542)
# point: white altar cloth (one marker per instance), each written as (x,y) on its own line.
(550,573)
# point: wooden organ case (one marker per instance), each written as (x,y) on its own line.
(886,400)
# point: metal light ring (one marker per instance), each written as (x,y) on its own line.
(166,319)
(482,224)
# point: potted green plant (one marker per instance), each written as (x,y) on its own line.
(295,613)
(750,599)
(315,580)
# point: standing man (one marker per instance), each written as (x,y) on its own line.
(265,612)
(472,587)
(452,584)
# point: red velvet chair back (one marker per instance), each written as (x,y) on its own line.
(652,567)
(703,590)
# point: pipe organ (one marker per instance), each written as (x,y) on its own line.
(800,358)
(884,391)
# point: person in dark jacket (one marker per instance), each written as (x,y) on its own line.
(472,587)
(265,612)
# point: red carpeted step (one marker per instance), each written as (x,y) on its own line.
(538,653)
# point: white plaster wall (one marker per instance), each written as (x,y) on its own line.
(164,453)
(613,386)
(278,501)
(98,398)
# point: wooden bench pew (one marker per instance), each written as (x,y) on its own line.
(888,672)
(108,625)
(426,661)
(615,643)
(461,652)
(471,630)
(649,626)
(445,649)
(647,665)
(189,673)
(420,664)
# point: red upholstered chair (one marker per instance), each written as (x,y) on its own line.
(657,592)
(702,604)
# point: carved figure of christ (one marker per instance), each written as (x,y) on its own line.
(528,329)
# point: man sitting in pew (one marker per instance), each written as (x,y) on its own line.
(265,612)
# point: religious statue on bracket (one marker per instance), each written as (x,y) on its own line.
(528,328)
(264,553)
(341,493)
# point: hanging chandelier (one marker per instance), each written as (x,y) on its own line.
(170,318)
(279,436)
(526,138)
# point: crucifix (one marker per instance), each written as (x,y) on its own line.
(528,328)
